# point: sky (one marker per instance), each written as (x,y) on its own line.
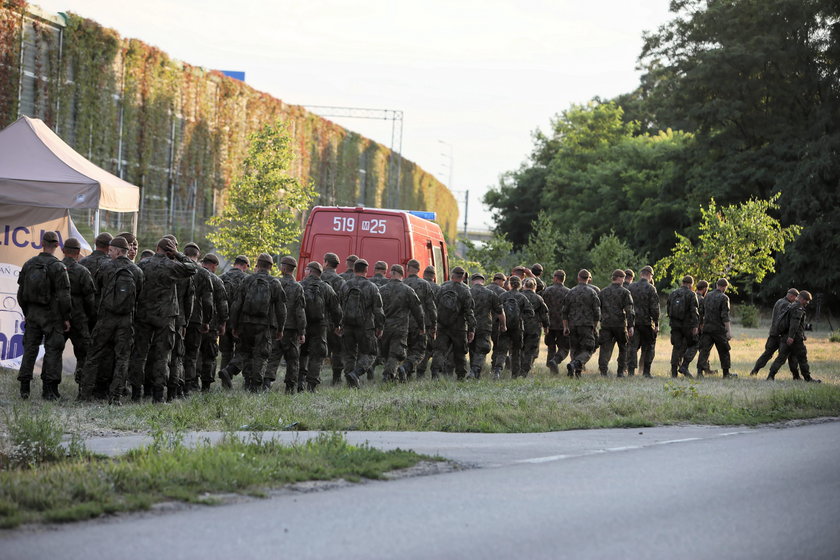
(473,78)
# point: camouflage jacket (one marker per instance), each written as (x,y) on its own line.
(295,304)
(331,277)
(379,280)
(553,297)
(347,275)
(540,286)
(778,308)
(203,307)
(232,279)
(106,276)
(464,320)
(158,300)
(82,292)
(93,261)
(581,307)
(487,307)
(374,316)
(275,318)
(496,289)
(398,302)
(691,307)
(426,294)
(60,307)
(540,317)
(617,307)
(796,330)
(332,305)
(526,310)
(714,312)
(220,303)
(645,302)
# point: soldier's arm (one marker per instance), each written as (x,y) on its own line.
(795,320)
(431,309)
(221,302)
(654,306)
(279,306)
(61,287)
(693,311)
(378,312)
(236,308)
(527,308)
(300,309)
(596,308)
(334,307)
(469,308)
(89,294)
(24,305)
(629,310)
(208,308)
(416,308)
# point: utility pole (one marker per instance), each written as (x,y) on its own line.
(466,210)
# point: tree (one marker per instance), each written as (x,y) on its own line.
(495,255)
(609,254)
(260,212)
(735,241)
(574,251)
(543,242)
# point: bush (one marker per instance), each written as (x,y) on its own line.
(34,438)
(834,336)
(749,316)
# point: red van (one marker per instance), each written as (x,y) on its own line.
(374,234)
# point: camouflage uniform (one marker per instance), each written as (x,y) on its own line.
(494,334)
(288,347)
(714,313)
(487,308)
(453,327)
(796,351)
(202,314)
(417,343)
(93,261)
(186,299)
(314,350)
(334,345)
(684,316)
(582,310)
(105,374)
(646,305)
(360,326)
(430,339)
(114,330)
(83,311)
(773,340)
(532,331)
(556,342)
(209,349)
(399,302)
(617,316)
(256,330)
(379,279)
(517,309)
(232,280)
(44,321)
(157,311)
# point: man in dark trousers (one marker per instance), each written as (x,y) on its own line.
(774,337)
(792,344)
(717,329)
(83,304)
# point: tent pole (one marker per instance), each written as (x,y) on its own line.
(96,223)
(134,223)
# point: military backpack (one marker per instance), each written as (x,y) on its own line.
(37,287)
(354,307)
(121,296)
(258,297)
(449,306)
(315,306)
(511,308)
(678,310)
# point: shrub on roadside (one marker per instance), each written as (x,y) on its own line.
(749,316)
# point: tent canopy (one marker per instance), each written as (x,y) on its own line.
(37,168)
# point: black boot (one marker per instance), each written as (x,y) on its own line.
(336,379)
(224,375)
(50,391)
(311,387)
(24,389)
(401,374)
(353,378)
(157,395)
(136,393)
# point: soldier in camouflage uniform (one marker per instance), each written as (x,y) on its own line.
(717,330)
(363,322)
(399,302)
(429,276)
(792,344)
(646,305)
(44,297)
(556,342)
(684,316)
(186,299)
(581,311)
(774,337)
(628,278)
(537,271)
(702,290)
(455,324)
(83,304)
(209,349)
(323,311)
(379,270)
(617,320)
(132,244)
(497,286)
(517,309)
(533,326)
(488,308)
(99,255)
(257,318)
(232,280)
(349,274)
(419,334)
(331,277)
(199,321)
(294,332)
(119,282)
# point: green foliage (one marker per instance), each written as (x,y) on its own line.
(261,213)
(749,316)
(609,254)
(542,244)
(734,241)
(834,336)
(574,251)
(495,255)
(34,438)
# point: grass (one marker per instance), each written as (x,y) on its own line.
(83,486)
(540,403)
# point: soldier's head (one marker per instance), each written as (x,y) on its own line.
(478,278)
(102,241)
(264,262)
(49,241)
(804,298)
(288,264)
(537,269)
(132,243)
(618,276)
(499,279)
(515,282)
(146,254)
(72,248)
(584,276)
(381,267)
(242,262)
(629,275)
(351,261)
(192,251)
(791,295)
(702,287)
(518,271)
(172,238)
(559,276)
(412,267)
(457,274)
(688,280)
(331,260)
(315,269)
(529,284)
(118,248)
(360,267)
(210,262)
(722,284)
(396,271)
(647,273)
(166,247)
(429,273)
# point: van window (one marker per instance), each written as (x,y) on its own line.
(338,244)
(438,263)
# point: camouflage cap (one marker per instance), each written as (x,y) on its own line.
(146,253)
(191,245)
(211,258)
(646,270)
(515,281)
(352,258)
(519,269)
(429,270)
(537,268)
(128,236)
(457,271)
(360,265)
(477,276)
(172,238)
(242,259)
(413,263)
(805,295)
(103,239)
(499,276)
(560,273)
(583,273)
(380,265)
(50,237)
(315,265)
(618,273)
(265,258)
(628,272)
(331,258)
(119,242)
(398,269)
(72,243)
(289,260)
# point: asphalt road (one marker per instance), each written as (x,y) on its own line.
(681,492)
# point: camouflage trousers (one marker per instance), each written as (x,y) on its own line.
(227,347)
(254,349)
(416,351)
(336,349)
(511,342)
(360,349)
(454,341)
(771,347)
(393,346)
(176,362)
(583,344)
(207,353)
(152,346)
(644,339)
(112,335)
(718,340)
(557,346)
(479,348)
(530,349)
(35,333)
(608,338)
(312,353)
(79,335)
(287,348)
(428,353)
(192,344)
(684,347)
(796,353)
